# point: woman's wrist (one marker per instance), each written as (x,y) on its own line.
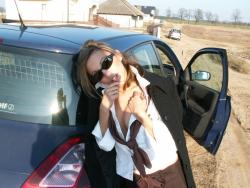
(142,116)
(103,108)
(147,123)
(105,104)
(103,118)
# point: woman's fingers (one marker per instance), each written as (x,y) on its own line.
(136,93)
(140,95)
(137,102)
(112,91)
(114,84)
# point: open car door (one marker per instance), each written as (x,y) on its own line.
(207,105)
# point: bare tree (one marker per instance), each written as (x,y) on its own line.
(189,14)
(168,13)
(209,16)
(236,16)
(198,15)
(215,18)
(182,13)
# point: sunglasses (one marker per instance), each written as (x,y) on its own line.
(105,64)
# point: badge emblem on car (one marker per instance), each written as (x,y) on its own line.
(6,107)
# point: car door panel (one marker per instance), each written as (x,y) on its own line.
(201,104)
(219,124)
(207,106)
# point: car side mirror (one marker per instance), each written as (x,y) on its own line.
(201,76)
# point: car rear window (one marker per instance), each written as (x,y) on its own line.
(36,87)
(176,30)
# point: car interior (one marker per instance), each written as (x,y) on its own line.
(200,103)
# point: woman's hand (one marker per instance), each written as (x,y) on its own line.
(111,93)
(138,105)
(109,96)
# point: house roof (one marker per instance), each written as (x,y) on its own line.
(118,7)
(146,9)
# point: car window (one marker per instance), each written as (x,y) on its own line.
(207,70)
(167,64)
(145,55)
(36,87)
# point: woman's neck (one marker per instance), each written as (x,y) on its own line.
(128,78)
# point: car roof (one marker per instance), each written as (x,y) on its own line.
(59,38)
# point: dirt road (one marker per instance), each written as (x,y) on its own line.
(230,168)
(233,167)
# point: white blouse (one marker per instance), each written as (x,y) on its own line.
(161,150)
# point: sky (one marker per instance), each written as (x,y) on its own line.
(223,8)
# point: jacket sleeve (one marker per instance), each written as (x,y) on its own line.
(106,142)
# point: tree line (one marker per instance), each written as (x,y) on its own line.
(198,15)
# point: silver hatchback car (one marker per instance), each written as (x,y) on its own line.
(174,34)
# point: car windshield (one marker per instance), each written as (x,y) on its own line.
(36,86)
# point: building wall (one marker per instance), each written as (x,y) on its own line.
(53,10)
(148,18)
(124,20)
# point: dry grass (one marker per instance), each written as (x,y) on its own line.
(219,34)
(235,40)
(239,64)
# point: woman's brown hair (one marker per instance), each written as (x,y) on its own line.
(82,76)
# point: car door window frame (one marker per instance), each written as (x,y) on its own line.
(224,85)
(172,57)
(151,43)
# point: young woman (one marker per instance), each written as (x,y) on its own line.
(140,116)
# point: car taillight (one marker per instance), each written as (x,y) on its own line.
(63,168)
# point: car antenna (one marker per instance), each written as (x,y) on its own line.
(23,27)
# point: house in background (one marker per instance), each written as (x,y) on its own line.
(148,11)
(51,10)
(121,12)
(2,13)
